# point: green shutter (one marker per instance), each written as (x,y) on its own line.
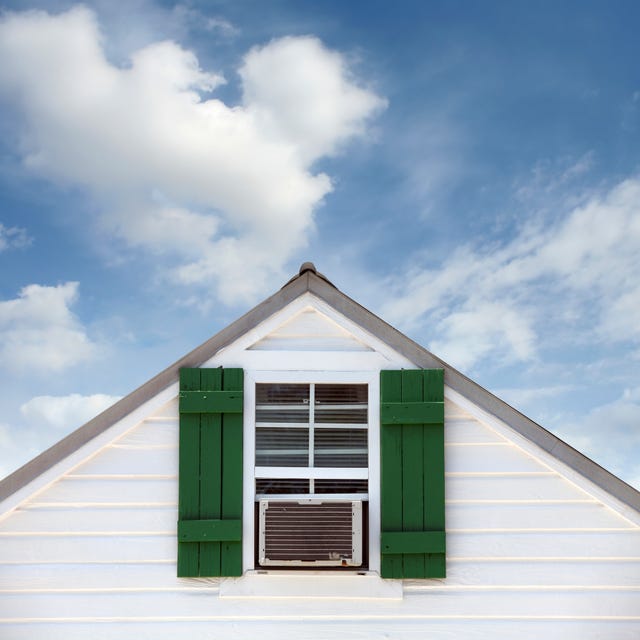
(210,494)
(412,540)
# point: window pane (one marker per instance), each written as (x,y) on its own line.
(278,447)
(282,403)
(282,485)
(341,404)
(340,447)
(341,486)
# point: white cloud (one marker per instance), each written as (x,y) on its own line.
(216,187)
(581,271)
(301,94)
(65,412)
(13,238)
(39,333)
(195,19)
(472,333)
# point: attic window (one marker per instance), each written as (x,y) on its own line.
(312,426)
(311,464)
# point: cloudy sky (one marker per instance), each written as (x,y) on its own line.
(469,171)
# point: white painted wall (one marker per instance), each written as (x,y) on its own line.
(532,551)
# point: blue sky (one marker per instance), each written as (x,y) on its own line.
(469,171)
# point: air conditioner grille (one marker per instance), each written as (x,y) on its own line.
(311,533)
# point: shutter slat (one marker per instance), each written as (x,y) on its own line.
(412,412)
(210,401)
(231,556)
(413,542)
(210,469)
(391,474)
(412,472)
(209,530)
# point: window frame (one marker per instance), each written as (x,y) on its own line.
(372,380)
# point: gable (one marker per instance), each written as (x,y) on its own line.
(309,330)
(387,346)
(309,334)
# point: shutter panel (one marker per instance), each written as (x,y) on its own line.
(412,473)
(210,490)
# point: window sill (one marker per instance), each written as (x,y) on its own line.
(283,584)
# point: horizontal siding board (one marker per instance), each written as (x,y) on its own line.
(436,604)
(309,360)
(536,487)
(534,516)
(88,548)
(138,518)
(585,573)
(469,432)
(88,576)
(469,629)
(489,457)
(132,462)
(518,573)
(136,548)
(133,519)
(99,490)
(168,410)
(293,343)
(544,545)
(152,433)
(453,411)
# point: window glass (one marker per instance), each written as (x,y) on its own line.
(311,426)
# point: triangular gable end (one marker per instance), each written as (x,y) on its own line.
(309,330)
(271,324)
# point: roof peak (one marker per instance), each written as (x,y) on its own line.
(309,267)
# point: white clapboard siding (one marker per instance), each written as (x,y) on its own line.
(469,431)
(101,490)
(132,461)
(488,457)
(153,433)
(453,411)
(18,548)
(98,577)
(73,520)
(576,574)
(529,555)
(469,629)
(540,544)
(144,519)
(545,485)
(437,604)
(534,515)
(415,629)
(581,574)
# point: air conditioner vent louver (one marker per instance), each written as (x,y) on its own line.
(308,533)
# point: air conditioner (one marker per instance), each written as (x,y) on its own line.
(310,533)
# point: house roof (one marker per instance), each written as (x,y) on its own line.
(309,280)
